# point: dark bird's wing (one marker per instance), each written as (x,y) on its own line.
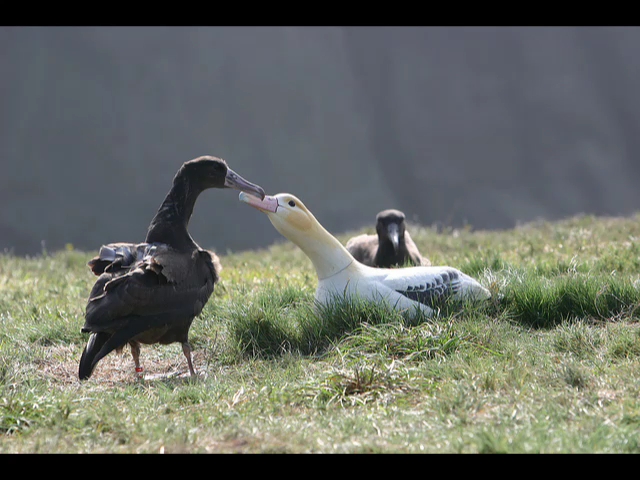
(162,282)
(363,248)
(159,289)
(414,254)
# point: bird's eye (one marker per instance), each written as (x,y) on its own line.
(292,203)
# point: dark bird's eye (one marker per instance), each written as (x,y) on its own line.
(292,203)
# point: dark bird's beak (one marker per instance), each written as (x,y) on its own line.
(392,231)
(233,180)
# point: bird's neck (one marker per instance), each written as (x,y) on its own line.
(171,221)
(386,251)
(327,254)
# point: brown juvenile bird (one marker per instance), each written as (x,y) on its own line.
(150,292)
(392,245)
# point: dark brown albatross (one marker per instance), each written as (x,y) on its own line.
(392,245)
(151,292)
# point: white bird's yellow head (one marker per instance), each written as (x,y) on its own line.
(295,222)
(287,213)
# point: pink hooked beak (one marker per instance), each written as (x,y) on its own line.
(268,204)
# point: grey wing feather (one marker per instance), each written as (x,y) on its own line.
(438,289)
(113,257)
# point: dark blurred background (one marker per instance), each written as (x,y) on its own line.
(468,125)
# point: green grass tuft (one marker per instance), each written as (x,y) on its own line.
(550,364)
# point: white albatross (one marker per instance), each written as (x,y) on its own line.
(339,274)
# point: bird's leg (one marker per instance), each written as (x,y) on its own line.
(135,353)
(186,349)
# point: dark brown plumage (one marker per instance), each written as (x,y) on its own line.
(392,246)
(151,292)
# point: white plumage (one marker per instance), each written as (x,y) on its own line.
(339,274)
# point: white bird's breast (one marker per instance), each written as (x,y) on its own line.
(373,287)
(401,288)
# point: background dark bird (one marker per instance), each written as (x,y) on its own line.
(151,292)
(392,246)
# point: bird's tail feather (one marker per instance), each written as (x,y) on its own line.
(476,291)
(101,344)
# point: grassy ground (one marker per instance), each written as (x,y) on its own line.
(550,364)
